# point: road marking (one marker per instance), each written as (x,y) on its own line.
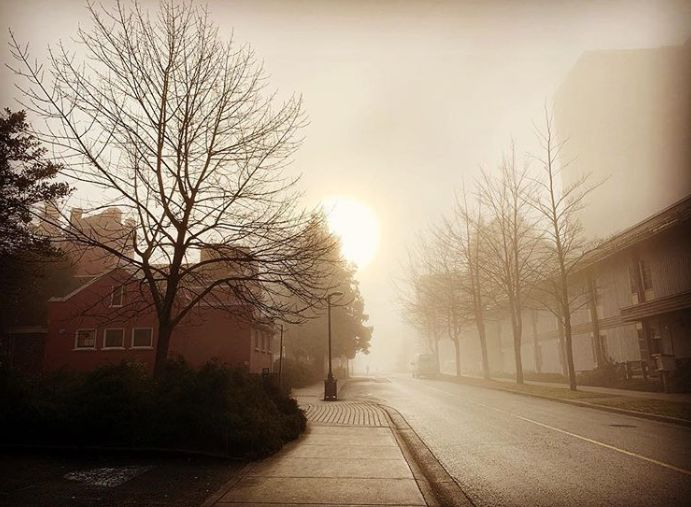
(602,444)
(575,435)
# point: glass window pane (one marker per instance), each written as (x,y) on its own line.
(117,296)
(142,338)
(114,338)
(86,339)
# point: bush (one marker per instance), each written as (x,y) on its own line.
(297,374)
(605,376)
(215,409)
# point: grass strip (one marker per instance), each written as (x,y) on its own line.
(678,410)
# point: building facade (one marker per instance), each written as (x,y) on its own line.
(636,306)
(626,119)
(109,319)
(100,313)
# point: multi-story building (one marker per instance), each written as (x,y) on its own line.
(110,319)
(626,119)
(100,313)
(636,306)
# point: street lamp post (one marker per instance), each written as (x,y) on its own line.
(280,361)
(330,384)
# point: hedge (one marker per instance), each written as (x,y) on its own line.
(214,409)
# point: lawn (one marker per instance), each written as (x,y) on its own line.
(39,479)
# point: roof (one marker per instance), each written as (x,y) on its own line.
(670,217)
(81,283)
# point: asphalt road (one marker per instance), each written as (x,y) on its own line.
(507,449)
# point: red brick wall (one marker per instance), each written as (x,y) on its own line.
(205,334)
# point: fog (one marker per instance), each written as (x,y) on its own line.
(406,100)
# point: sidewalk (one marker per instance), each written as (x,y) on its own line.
(673,409)
(348,456)
(678,397)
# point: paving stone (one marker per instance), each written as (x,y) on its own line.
(356,439)
(352,413)
(355,452)
(317,467)
(325,490)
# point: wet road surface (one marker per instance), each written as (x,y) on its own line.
(507,449)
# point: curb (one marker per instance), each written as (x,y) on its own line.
(213,499)
(445,490)
(633,413)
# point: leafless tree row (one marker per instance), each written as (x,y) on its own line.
(511,244)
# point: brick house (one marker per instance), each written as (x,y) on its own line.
(108,319)
(99,314)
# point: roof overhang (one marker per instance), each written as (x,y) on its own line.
(659,306)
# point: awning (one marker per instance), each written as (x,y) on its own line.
(658,306)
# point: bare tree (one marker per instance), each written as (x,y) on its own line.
(462,235)
(418,303)
(431,298)
(442,281)
(509,241)
(174,126)
(559,205)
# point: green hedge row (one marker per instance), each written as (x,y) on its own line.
(215,409)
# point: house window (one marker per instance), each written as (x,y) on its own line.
(85,339)
(114,339)
(646,275)
(142,338)
(633,279)
(117,296)
(256,339)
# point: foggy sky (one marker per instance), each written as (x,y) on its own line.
(405,99)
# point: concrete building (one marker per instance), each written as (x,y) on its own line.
(627,117)
(636,306)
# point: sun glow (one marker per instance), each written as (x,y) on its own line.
(357,227)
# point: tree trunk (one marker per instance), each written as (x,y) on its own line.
(569,349)
(536,343)
(480,322)
(162,345)
(516,326)
(457,346)
(600,359)
(562,347)
(517,358)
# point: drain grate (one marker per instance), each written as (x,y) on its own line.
(622,426)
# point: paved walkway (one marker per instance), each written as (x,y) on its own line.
(348,456)
(679,397)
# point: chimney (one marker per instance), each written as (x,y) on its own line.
(76,215)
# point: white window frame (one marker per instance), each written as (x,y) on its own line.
(121,288)
(142,347)
(76,338)
(105,347)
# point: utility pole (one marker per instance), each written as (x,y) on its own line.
(280,360)
(330,384)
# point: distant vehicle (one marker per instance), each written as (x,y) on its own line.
(424,365)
